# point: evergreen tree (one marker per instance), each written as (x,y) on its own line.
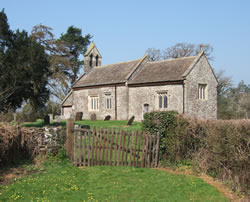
(76,44)
(24,69)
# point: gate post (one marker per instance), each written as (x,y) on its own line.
(69,138)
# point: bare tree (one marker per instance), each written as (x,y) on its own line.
(187,49)
(154,54)
(179,50)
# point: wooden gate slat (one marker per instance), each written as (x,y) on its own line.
(153,151)
(75,148)
(96,147)
(143,150)
(100,147)
(111,147)
(81,156)
(89,147)
(127,148)
(135,148)
(138,151)
(123,147)
(149,150)
(93,147)
(103,147)
(131,148)
(119,150)
(157,149)
(146,151)
(84,149)
(107,148)
(116,147)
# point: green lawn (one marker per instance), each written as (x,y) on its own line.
(99,123)
(64,182)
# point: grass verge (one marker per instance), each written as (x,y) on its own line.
(119,124)
(64,182)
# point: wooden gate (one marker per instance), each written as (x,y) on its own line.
(114,148)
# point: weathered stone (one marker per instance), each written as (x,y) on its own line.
(130,121)
(51,117)
(78,116)
(107,118)
(58,118)
(46,120)
(93,117)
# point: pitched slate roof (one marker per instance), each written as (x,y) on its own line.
(142,71)
(108,74)
(165,70)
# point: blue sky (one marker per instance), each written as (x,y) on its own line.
(123,30)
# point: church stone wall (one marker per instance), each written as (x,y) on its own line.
(138,96)
(201,74)
(67,112)
(81,102)
(122,103)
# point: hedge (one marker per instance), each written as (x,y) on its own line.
(219,148)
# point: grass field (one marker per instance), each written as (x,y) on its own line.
(99,123)
(64,182)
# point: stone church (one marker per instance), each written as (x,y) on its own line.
(187,85)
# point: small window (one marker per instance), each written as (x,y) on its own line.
(163,99)
(91,60)
(96,60)
(94,103)
(160,101)
(202,91)
(146,108)
(108,101)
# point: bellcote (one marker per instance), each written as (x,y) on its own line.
(92,58)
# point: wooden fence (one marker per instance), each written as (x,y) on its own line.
(113,147)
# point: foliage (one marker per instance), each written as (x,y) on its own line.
(24,69)
(64,56)
(76,45)
(225,152)
(219,148)
(64,182)
(28,114)
(176,142)
(179,50)
(233,102)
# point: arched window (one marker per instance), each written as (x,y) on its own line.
(146,108)
(96,60)
(160,101)
(165,101)
(91,60)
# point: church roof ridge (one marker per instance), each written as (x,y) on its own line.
(116,63)
(181,58)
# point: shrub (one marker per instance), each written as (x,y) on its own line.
(225,151)
(178,138)
(218,148)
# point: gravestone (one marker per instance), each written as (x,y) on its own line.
(78,116)
(51,116)
(107,118)
(93,117)
(85,127)
(130,121)
(46,120)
